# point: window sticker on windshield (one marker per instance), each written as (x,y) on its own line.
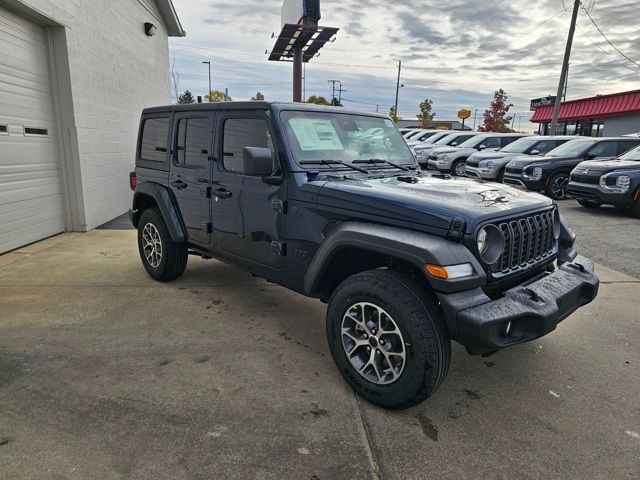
(315,134)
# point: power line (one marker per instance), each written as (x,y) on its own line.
(619,62)
(605,37)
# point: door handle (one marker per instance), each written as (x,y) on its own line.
(179,184)
(222,193)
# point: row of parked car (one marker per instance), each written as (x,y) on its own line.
(595,171)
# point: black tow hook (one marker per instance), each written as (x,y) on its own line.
(532,295)
(577,266)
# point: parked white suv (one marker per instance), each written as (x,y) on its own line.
(451,139)
(452,159)
(491,165)
(423,136)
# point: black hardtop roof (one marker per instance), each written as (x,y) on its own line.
(253,105)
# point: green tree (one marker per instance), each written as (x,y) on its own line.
(186,97)
(218,96)
(426,114)
(258,96)
(318,100)
(393,115)
(496,119)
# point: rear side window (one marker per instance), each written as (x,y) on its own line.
(240,133)
(504,141)
(492,142)
(193,141)
(627,145)
(605,149)
(153,146)
(547,145)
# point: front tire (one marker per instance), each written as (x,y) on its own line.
(635,208)
(163,259)
(557,187)
(458,168)
(589,204)
(387,337)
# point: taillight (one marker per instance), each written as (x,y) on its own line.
(133,180)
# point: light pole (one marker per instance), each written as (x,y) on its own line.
(398,87)
(209,94)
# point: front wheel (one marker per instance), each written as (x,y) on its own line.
(387,337)
(557,187)
(635,208)
(589,204)
(458,168)
(163,259)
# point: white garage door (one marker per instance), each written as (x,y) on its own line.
(31,206)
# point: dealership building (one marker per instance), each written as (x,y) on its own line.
(74,77)
(599,116)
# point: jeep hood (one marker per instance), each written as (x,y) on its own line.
(431,202)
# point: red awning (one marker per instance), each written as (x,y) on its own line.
(594,107)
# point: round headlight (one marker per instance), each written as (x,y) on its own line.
(490,244)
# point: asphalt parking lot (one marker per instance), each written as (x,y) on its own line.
(105,374)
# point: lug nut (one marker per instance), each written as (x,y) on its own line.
(368,349)
(382,341)
(373,330)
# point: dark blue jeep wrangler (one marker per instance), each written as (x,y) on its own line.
(331,203)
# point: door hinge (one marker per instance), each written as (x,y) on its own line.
(279,206)
(206,227)
(205,192)
(279,248)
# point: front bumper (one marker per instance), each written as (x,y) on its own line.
(520,181)
(484,173)
(441,165)
(595,193)
(523,313)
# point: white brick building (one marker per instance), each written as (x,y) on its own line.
(74,76)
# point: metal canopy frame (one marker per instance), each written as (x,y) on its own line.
(306,38)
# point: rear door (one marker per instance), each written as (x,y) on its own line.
(247,212)
(190,177)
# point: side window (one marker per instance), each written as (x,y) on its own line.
(605,149)
(546,146)
(153,146)
(504,141)
(192,142)
(243,132)
(627,145)
(492,142)
(462,138)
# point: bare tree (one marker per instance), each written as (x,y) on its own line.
(175,79)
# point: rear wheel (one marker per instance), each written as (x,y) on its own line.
(500,176)
(387,337)
(557,187)
(589,204)
(163,259)
(458,167)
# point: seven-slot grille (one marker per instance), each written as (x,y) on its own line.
(473,162)
(528,240)
(589,175)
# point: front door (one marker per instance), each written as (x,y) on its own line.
(247,212)
(190,177)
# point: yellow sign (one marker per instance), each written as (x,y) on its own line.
(464,114)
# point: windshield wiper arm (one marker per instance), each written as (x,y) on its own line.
(332,162)
(379,160)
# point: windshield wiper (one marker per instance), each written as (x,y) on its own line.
(379,160)
(332,162)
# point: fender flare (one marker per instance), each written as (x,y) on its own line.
(417,248)
(167,206)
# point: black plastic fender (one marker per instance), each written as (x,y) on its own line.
(417,248)
(168,208)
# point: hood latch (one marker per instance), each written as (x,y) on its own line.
(456,229)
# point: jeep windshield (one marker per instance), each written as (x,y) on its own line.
(334,139)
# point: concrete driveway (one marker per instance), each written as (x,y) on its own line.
(105,374)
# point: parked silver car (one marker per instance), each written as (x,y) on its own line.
(453,159)
(450,139)
(491,165)
(423,136)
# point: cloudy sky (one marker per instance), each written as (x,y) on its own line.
(455,52)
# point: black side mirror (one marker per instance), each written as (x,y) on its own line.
(257,161)
(590,156)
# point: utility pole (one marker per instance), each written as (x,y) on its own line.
(565,68)
(209,94)
(398,86)
(566,84)
(333,89)
(297,74)
(475,116)
(340,90)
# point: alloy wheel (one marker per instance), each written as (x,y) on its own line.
(152,245)
(460,169)
(373,343)
(559,187)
